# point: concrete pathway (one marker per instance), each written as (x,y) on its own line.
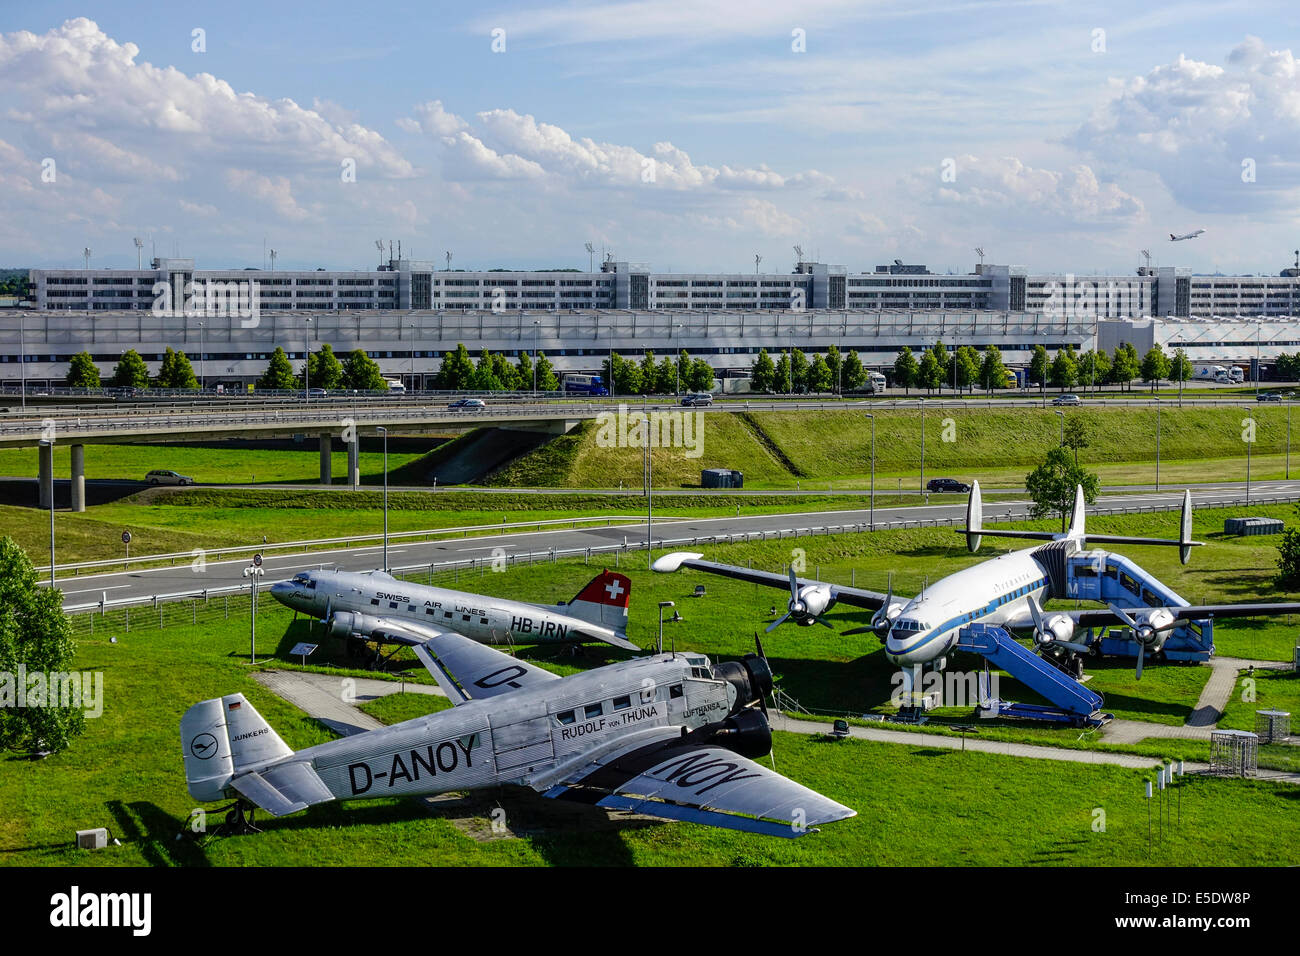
(322,696)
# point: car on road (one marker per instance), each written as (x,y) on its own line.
(314,392)
(1066,400)
(695,399)
(1269,397)
(161,476)
(468,403)
(946,484)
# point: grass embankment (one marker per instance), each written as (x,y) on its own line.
(945,807)
(997,446)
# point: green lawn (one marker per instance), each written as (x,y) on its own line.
(943,807)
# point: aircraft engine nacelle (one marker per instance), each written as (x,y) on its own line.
(751,677)
(883,620)
(1056,627)
(1153,627)
(348,623)
(745,732)
(814,600)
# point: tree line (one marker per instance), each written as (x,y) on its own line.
(794,372)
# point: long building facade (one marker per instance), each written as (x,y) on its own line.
(408,315)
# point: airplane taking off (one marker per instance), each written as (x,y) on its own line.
(668,735)
(1189,235)
(373,605)
(1008,591)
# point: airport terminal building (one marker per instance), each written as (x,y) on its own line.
(407,315)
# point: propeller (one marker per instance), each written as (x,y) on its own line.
(881,620)
(1045,634)
(806,606)
(1145,632)
(758,647)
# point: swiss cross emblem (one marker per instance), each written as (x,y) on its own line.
(614,589)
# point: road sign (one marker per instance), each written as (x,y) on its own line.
(257,560)
(126,537)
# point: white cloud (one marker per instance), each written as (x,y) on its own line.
(1195,123)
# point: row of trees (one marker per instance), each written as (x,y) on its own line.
(665,377)
(1067,369)
(793,372)
(495,373)
(963,369)
(131,371)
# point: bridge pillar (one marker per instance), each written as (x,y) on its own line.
(78,477)
(45,474)
(326,459)
(354,463)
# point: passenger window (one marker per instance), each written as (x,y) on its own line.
(392,604)
(375,601)
(593,710)
(622,703)
(566,718)
(675,692)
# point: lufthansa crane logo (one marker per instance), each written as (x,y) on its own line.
(203,746)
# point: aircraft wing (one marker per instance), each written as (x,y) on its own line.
(468,670)
(1104,617)
(657,774)
(856,597)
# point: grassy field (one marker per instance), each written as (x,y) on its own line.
(944,807)
(230,464)
(997,446)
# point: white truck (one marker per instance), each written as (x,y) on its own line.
(876,382)
(1212,373)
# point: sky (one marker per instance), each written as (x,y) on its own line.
(689,137)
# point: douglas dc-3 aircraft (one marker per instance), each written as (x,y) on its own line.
(1007,590)
(667,735)
(1188,235)
(374,605)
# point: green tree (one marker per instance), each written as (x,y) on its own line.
(506,373)
(943,362)
(666,381)
(34,634)
(931,374)
(968,367)
(82,372)
(457,370)
(649,374)
(279,373)
(1038,365)
(547,380)
(1094,368)
(818,377)
(1077,435)
(992,374)
(762,373)
(524,370)
(683,371)
(1051,486)
(324,369)
(700,378)
(1180,368)
(485,377)
(1063,372)
(854,376)
(176,371)
(781,383)
(1288,559)
(131,371)
(1124,366)
(835,362)
(906,371)
(1155,366)
(798,371)
(361,372)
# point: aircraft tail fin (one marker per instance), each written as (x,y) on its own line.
(222,738)
(603,601)
(1076,529)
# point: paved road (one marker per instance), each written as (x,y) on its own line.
(182,579)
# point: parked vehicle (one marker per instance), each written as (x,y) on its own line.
(695,399)
(161,476)
(578,383)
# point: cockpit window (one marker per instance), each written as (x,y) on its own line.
(305,581)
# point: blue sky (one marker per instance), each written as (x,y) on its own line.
(1055,135)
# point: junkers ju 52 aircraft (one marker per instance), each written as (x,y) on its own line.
(669,735)
(375,606)
(1007,591)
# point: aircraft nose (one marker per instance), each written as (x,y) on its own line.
(282,589)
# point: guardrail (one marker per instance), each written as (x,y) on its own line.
(528,558)
(426,534)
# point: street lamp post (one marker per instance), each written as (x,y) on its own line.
(1062,414)
(384,430)
(659,648)
(920,402)
(1157,444)
(411,326)
(22,357)
(1250,442)
(536,326)
(306,363)
(202,377)
(50,445)
(253,572)
(873,471)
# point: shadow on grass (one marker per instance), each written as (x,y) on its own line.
(153,832)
